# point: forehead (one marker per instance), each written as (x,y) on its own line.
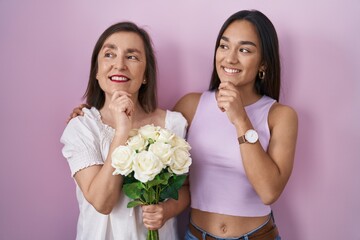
(125,40)
(242,30)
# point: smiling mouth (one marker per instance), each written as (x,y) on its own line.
(231,70)
(119,79)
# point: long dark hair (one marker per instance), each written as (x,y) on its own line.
(95,96)
(269,43)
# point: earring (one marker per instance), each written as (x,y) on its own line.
(262,75)
(144,82)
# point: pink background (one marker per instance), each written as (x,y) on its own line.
(45,53)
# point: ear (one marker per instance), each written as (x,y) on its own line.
(263,67)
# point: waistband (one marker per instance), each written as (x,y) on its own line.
(266,231)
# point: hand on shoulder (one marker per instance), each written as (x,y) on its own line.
(187,105)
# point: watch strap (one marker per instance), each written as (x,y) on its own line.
(241,139)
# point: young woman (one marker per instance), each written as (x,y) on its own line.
(243,140)
(122,95)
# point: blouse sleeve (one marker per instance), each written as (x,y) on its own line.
(176,123)
(81,145)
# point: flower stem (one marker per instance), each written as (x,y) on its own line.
(153,235)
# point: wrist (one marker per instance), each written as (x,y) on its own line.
(250,136)
(242,125)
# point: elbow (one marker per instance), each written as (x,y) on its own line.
(101,206)
(268,201)
(269,198)
(106,210)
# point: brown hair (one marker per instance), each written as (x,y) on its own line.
(95,96)
(269,86)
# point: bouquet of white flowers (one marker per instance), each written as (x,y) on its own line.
(154,163)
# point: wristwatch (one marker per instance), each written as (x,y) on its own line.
(251,136)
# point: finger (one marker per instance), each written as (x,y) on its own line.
(122,104)
(130,107)
(151,223)
(149,208)
(77,112)
(226,85)
(118,93)
(84,105)
(223,105)
(227,92)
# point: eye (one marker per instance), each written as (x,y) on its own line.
(244,50)
(109,54)
(223,46)
(132,57)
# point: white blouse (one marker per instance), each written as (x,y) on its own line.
(86,142)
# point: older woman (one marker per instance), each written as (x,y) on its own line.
(122,95)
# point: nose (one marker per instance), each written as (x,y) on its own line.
(120,63)
(231,57)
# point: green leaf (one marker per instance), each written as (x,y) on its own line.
(155,182)
(133,190)
(130,178)
(178,181)
(150,196)
(165,176)
(134,204)
(169,192)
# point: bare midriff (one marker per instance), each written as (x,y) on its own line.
(225,226)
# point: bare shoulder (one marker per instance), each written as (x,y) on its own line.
(187,105)
(158,117)
(160,112)
(280,111)
(284,117)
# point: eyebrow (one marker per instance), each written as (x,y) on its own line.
(113,46)
(132,50)
(109,45)
(241,42)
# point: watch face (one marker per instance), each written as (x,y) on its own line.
(251,136)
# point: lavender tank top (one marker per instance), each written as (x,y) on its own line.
(218,182)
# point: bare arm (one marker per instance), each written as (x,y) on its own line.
(100,188)
(267,170)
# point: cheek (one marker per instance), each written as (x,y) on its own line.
(140,70)
(103,65)
(218,59)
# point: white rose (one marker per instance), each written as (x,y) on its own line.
(165,136)
(137,142)
(179,142)
(181,161)
(133,132)
(149,131)
(146,166)
(122,160)
(163,151)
